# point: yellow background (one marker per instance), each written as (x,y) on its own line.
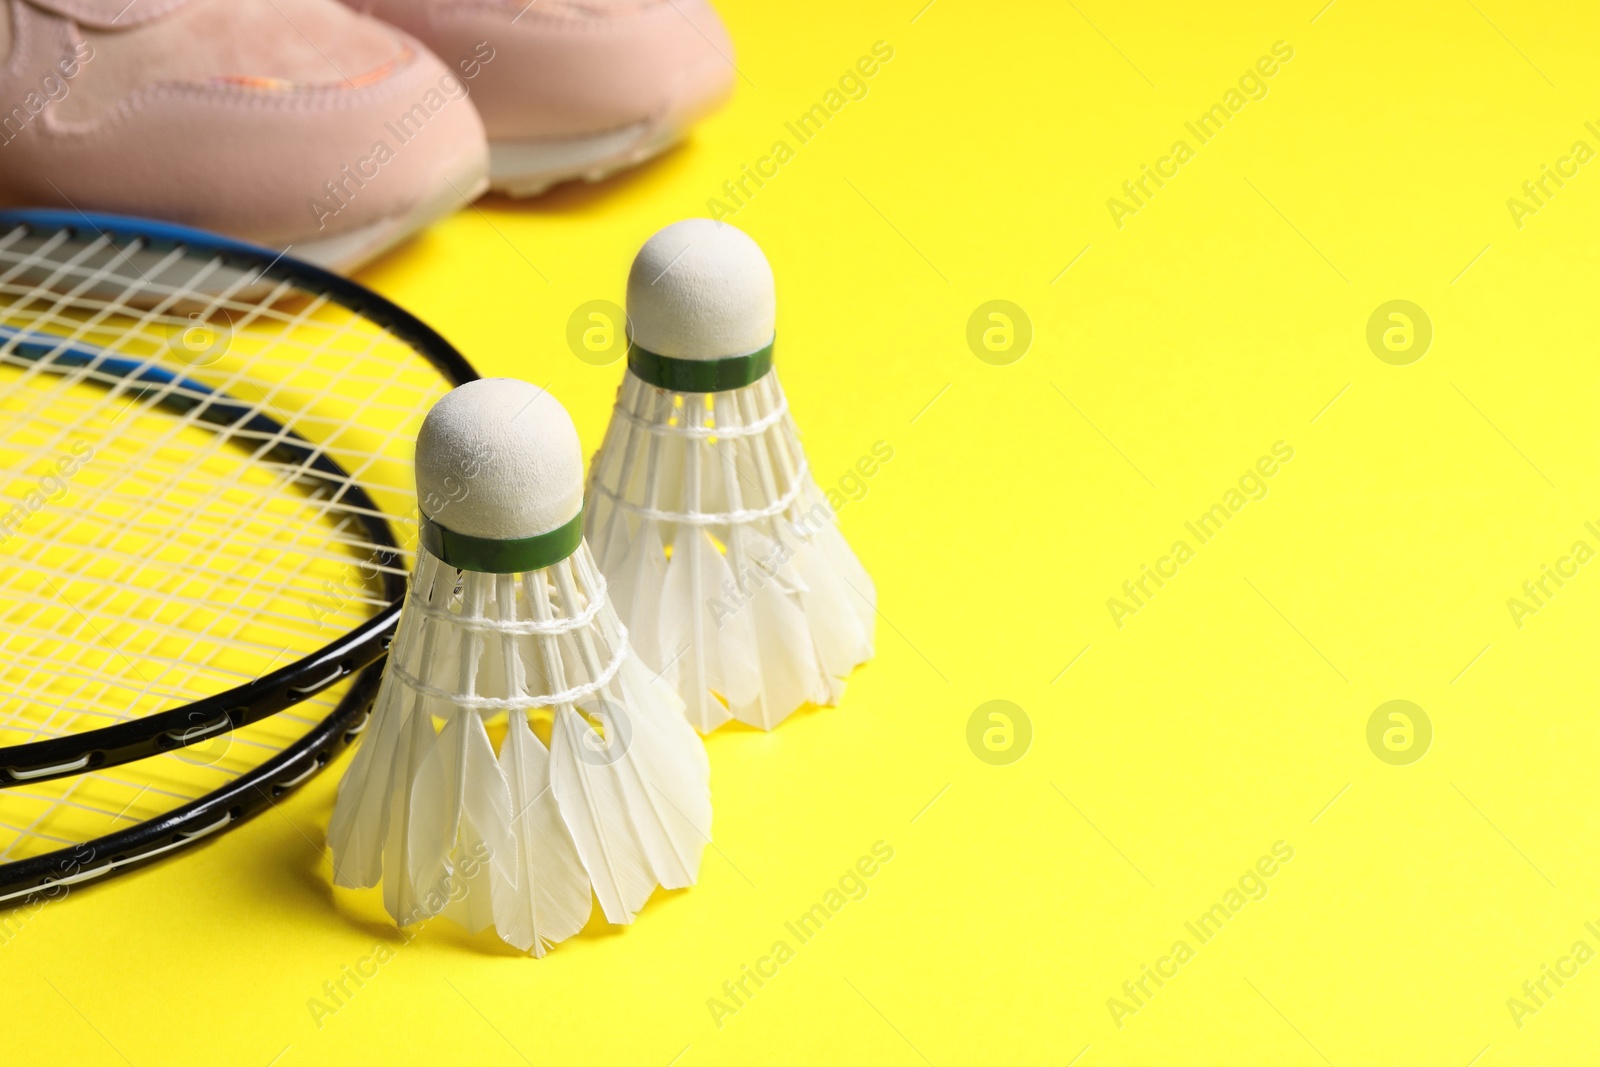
(1225,716)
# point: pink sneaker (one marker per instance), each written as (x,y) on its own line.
(576,88)
(291,123)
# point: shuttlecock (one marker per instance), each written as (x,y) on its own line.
(724,558)
(507,621)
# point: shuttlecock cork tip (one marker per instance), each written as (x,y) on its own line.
(499,459)
(703,290)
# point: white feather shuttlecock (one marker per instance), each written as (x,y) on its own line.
(724,558)
(507,619)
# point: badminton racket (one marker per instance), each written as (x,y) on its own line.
(206,520)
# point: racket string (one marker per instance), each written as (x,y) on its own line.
(296,473)
(227,498)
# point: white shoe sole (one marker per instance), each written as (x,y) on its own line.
(346,252)
(528,168)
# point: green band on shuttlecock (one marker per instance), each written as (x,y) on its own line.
(699,375)
(488,556)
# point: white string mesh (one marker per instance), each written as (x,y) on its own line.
(697,459)
(149,558)
(507,642)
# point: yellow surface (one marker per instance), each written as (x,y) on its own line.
(1229,713)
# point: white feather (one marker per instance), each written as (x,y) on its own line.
(461,810)
(594,806)
(360,819)
(551,900)
(707,661)
(664,773)
(637,583)
(399,891)
(361,813)
(840,605)
(459,838)
(789,674)
(659,760)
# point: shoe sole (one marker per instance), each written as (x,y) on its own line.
(347,252)
(527,168)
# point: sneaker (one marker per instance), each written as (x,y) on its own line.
(295,124)
(576,88)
